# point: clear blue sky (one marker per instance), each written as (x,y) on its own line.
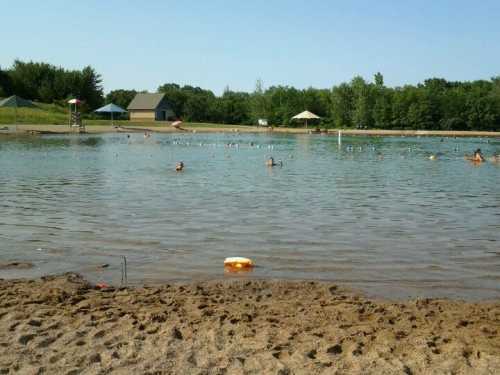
(213,44)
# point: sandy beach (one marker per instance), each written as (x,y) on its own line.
(166,128)
(64,325)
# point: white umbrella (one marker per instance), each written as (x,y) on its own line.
(306,115)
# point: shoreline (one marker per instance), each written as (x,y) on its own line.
(238,326)
(193,128)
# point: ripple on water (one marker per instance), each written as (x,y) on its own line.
(391,223)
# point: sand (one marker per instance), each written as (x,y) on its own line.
(166,128)
(64,325)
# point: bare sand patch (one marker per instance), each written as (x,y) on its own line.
(63,325)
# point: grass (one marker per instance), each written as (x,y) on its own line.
(51,114)
(42,114)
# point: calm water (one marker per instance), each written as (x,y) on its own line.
(373,213)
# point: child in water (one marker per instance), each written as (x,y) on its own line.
(179,167)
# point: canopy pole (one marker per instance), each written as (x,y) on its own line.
(111,118)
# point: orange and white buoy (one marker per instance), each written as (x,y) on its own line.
(238,263)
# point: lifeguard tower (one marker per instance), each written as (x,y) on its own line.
(75,117)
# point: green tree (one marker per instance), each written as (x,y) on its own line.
(121,97)
(342,105)
(259,103)
(48,83)
(362,113)
(5,84)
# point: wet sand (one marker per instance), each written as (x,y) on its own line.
(64,325)
(190,127)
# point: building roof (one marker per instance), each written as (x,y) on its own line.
(146,101)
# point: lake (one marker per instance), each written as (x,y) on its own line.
(373,213)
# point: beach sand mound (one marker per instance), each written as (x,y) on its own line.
(62,325)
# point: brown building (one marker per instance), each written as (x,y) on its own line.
(150,107)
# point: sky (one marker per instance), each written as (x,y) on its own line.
(216,44)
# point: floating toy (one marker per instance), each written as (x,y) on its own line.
(238,262)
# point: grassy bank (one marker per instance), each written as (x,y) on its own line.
(51,114)
(41,114)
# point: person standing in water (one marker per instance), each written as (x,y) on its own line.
(271,163)
(478,156)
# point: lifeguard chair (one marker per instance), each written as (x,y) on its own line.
(75,117)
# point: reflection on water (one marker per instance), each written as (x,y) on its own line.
(375,213)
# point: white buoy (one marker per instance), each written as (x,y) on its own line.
(340,137)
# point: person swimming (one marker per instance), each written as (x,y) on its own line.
(271,163)
(179,167)
(478,156)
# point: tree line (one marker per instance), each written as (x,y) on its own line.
(51,84)
(434,104)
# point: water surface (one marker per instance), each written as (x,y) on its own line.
(373,212)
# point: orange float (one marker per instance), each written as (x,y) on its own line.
(238,263)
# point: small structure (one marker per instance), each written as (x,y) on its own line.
(111,108)
(150,107)
(15,102)
(262,122)
(306,115)
(75,117)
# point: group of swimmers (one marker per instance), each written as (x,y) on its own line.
(476,157)
(269,162)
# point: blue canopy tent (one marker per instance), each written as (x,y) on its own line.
(110,108)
